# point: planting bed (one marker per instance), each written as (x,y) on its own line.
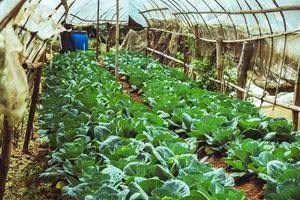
(106,145)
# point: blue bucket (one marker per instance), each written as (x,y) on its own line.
(80,40)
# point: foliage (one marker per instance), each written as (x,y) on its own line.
(251,140)
(205,72)
(106,146)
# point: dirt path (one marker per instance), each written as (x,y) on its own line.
(23,181)
(133,93)
(251,185)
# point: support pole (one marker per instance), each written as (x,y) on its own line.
(108,39)
(97,30)
(243,66)
(220,62)
(117,39)
(197,43)
(147,39)
(33,105)
(7,139)
(297,98)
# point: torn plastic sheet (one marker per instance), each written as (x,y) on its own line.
(13,82)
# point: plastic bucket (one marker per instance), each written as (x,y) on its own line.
(80,40)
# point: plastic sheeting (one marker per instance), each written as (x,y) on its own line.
(24,40)
(212,25)
(13,81)
(254,23)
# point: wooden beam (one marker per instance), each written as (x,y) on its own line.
(97,30)
(167,56)
(7,139)
(197,43)
(220,61)
(108,40)
(265,99)
(283,105)
(13,13)
(243,66)
(34,101)
(101,20)
(147,39)
(297,98)
(117,39)
(293,32)
(153,10)
(243,12)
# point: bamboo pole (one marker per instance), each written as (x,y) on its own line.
(7,139)
(243,12)
(11,15)
(297,98)
(34,101)
(117,39)
(261,97)
(238,40)
(147,39)
(167,57)
(283,105)
(108,39)
(197,43)
(97,30)
(243,66)
(95,21)
(220,61)
(153,10)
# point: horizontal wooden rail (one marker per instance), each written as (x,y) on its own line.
(166,56)
(153,10)
(243,12)
(13,13)
(234,41)
(268,100)
(95,21)
(265,99)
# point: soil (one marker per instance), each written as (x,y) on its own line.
(250,184)
(217,161)
(23,177)
(133,93)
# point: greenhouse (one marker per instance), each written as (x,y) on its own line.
(149,99)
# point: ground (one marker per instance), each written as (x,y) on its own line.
(23,179)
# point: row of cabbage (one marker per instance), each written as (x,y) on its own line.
(267,147)
(107,146)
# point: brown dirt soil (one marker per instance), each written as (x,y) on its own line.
(217,162)
(134,94)
(252,186)
(23,181)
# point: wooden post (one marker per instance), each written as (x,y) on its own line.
(147,39)
(297,98)
(243,66)
(34,101)
(117,39)
(97,30)
(220,62)
(197,43)
(185,65)
(108,42)
(7,139)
